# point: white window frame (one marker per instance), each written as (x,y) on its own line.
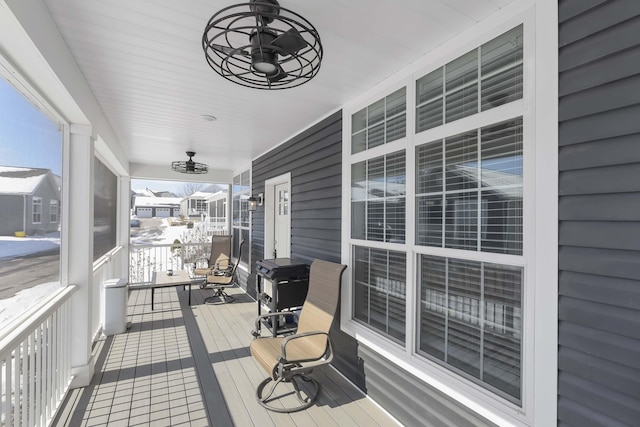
(54,211)
(538,108)
(36,201)
(243,194)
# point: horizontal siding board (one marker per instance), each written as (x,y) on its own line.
(572,414)
(595,20)
(603,71)
(599,45)
(604,152)
(600,126)
(600,234)
(311,202)
(568,9)
(603,289)
(330,213)
(406,395)
(609,179)
(611,96)
(618,320)
(598,207)
(601,262)
(617,405)
(600,372)
(604,345)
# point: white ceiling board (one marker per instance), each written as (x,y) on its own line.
(144,62)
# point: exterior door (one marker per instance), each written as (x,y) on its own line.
(281,223)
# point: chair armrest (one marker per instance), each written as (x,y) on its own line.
(260,318)
(290,338)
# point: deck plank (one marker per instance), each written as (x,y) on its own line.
(192,365)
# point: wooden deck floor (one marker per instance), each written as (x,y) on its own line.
(190,366)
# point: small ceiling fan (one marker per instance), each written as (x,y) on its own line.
(262,45)
(189,166)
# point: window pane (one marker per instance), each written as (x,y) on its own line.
(501,63)
(375,178)
(502,52)
(461,157)
(30,189)
(358,220)
(429,115)
(105,200)
(429,230)
(375,221)
(471,320)
(461,230)
(396,102)
(502,173)
(375,112)
(380,290)
(462,71)
(429,87)
(461,103)
(503,327)
(359,142)
(429,167)
(376,135)
(396,127)
(359,121)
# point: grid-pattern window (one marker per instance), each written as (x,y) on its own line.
(54,211)
(378,188)
(379,123)
(380,299)
(469,190)
(483,78)
(36,210)
(240,214)
(464,256)
(471,320)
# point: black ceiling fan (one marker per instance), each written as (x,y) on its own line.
(190,166)
(262,45)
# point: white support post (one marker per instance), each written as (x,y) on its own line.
(124,215)
(81,161)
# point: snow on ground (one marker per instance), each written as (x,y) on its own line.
(19,246)
(12,308)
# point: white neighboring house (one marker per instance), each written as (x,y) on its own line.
(160,207)
(29,201)
(194,205)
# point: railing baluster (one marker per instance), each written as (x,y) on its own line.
(24,402)
(17,387)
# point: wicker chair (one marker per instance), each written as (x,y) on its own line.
(291,359)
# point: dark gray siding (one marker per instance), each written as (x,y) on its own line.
(411,401)
(314,159)
(599,209)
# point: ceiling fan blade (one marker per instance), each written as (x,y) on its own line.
(290,41)
(229,50)
(277,76)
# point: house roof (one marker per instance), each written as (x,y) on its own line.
(144,201)
(20,180)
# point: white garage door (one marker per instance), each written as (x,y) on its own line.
(163,212)
(144,212)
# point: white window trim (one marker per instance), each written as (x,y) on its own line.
(33,211)
(539,111)
(52,203)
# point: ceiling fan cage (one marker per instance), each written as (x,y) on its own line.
(262,45)
(189,166)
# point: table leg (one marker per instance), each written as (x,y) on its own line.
(189,293)
(152,295)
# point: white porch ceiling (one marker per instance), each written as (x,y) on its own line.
(144,62)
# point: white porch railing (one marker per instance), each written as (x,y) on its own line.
(144,260)
(35,364)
